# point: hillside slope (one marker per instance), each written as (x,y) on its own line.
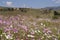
(38,13)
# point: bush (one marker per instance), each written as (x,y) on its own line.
(55,17)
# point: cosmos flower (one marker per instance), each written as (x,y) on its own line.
(7,29)
(23,27)
(46,30)
(31,36)
(8,36)
(15,30)
(1,21)
(42,24)
(32,31)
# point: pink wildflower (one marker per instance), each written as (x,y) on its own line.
(46,30)
(1,21)
(15,30)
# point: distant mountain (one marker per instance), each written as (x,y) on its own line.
(53,8)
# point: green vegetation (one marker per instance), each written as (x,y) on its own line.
(29,24)
(38,13)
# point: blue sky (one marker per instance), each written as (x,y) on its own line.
(30,3)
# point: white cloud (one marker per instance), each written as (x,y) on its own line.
(56,1)
(25,6)
(9,3)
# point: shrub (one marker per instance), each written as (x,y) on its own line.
(55,17)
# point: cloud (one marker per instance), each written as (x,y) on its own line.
(25,5)
(56,1)
(9,3)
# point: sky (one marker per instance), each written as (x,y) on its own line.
(30,3)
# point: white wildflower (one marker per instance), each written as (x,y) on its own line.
(49,36)
(8,37)
(21,39)
(44,25)
(41,24)
(55,39)
(1,35)
(45,34)
(35,31)
(39,31)
(32,31)
(30,36)
(4,33)
(42,37)
(11,26)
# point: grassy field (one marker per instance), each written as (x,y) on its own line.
(31,24)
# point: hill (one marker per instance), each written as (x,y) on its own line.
(54,8)
(38,13)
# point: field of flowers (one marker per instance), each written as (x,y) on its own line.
(22,27)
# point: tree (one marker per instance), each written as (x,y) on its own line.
(55,13)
